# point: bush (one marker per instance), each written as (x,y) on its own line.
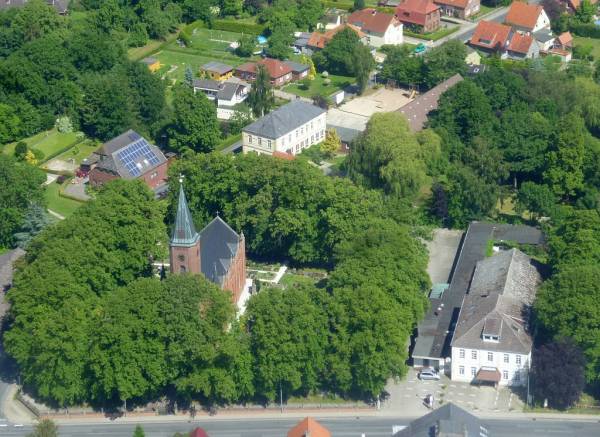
(583,52)
(325,74)
(585,29)
(21,150)
(305,84)
(61,179)
(236,26)
(39,155)
(327,82)
(322,101)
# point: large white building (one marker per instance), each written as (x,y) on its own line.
(491,341)
(289,129)
(380,28)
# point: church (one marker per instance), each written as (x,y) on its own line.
(217,251)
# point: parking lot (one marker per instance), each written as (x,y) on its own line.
(408,396)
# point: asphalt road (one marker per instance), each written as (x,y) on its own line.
(339,427)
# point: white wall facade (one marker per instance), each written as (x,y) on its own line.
(513,367)
(542,22)
(293,142)
(394,34)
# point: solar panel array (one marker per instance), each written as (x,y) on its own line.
(136,156)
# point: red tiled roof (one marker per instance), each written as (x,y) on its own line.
(320,40)
(415,11)
(520,43)
(371,21)
(523,15)
(274,67)
(461,4)
(309,427)
(283,155)
(565,39)
(490,35)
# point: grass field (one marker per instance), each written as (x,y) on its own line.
(59,204)
(79,152)
(433,36)
(48,142)
(583,41)
(317,86)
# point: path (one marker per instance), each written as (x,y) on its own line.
(289,96)
(55,214)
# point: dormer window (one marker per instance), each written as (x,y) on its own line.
(492,327)
(495,338)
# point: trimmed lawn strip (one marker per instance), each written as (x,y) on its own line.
(59,204)
(318,87)
(433,36)
(48,142)
(138,53)
(79,152)
(585,41)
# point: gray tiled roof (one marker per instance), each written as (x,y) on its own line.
(448,420)
(206,84)
(218,248)
(217,67)
(284,120)
(544,35)
(6,267)
(499,299)
(296,66)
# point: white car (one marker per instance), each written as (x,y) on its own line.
(428,374)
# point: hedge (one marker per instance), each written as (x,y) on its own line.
(585,29)
(236,26)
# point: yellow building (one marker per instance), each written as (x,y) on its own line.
(152,63)
(216,71)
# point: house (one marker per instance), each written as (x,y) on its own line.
(522,47)
(526,18)
(435,332)
(389,3)
(459,8)
(7,261)
(279,72)
(564,41)
(492,341)
(290,129)
(299,71)
(490,37)
(545,39)
(309,427)
(416,111)
(445,421)
(61,6)
(379,28)
(318,40)
(129,156)
(301,42)
(228,93)
(153,64)
(572,5)
(216,71)
(333,18)
(217,251)
(420,16)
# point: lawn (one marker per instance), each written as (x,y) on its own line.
(433,36)
(317,86)
(57,203)
(79,152)
(583,41)
(48,142)
(483,10)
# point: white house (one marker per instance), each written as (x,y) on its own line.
(527,18)
(379,27)
(225,94)
(491,341)
(289,129)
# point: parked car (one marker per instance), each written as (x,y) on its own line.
(420,49)
(428,374)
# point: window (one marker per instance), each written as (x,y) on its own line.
(259,141)
(518,359)
(181,258)
(311,125)
(461,353)
(506,358)
(490,356)
(181,269)
(250,139)
(461,370)
(474,355)
(312,138)
(473,371)
(505,374)
(290,138)
(269,144)
(517,376)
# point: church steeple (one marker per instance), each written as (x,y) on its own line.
(184,248)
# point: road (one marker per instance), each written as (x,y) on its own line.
(339,427)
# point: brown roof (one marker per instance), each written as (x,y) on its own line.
(283,155)
(309,427)
(490,35)
(523,15)
(490,374)
(415,11)
(520,43)
(461,4)
(320,40)
(565,38)
(372,21)
(274,67)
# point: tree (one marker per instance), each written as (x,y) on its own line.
(558,373)
(64,125)
(362,65)
(585,12)
(189,76)
(231,7)
(335,56)
(195,125)
(246,46)
(308,14)
(439,202)
(10,128)
(139,431)
(241,118)
(261,97)
(44,428)
(442,62)
(34,20)
(402,66)
(538,199)
(358,5)
(280,43)
(35,220)
(331,144)
(21,150)
(553,8)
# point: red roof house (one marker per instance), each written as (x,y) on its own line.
(490,36)
(381,28)
(279,72)
(523,46)
(318,40)
(419,15)
(309,427)
(564,40)
(524,17)
(459,8)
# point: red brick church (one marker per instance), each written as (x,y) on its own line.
(217,251)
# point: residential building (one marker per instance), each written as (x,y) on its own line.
(545,39)
(526,18)
(490,37)
(301,42)
(217,251)
(564,41)
(380,28)
(318,40)
(153,64)
(449,420)
(61,6)
(129,156)
(228,93)
(309,427)
(216,71)
(459,8)
(290,129)
(492,341)
(279,73)
(435,331)
(299,71)
(417,110)
(522,47)
(420,16)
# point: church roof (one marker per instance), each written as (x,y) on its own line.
(218,247)
(184,232)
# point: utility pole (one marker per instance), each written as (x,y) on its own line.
(280,397)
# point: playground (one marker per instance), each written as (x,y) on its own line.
(380,100)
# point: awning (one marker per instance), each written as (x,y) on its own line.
(488,374)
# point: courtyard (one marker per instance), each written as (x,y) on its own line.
(380,100)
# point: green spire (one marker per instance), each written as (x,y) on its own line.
(184,232)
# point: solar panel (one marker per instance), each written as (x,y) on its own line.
(136,155)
